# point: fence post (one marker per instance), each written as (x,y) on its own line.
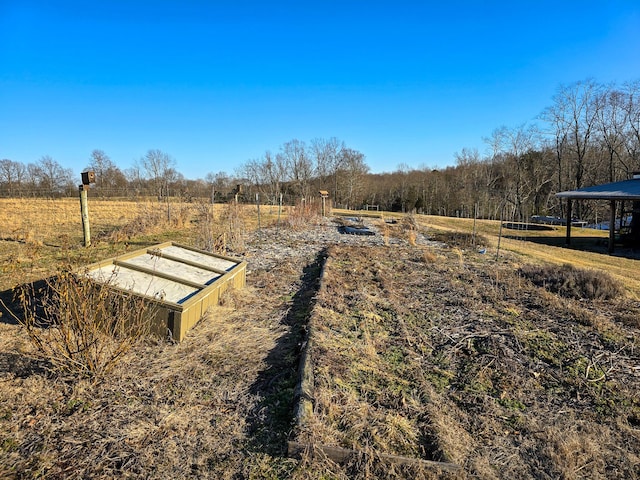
(258,205)
(279,211)
(500,232)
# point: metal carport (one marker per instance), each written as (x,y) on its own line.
(613,192)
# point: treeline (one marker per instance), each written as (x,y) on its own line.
(297,171)
(589,134)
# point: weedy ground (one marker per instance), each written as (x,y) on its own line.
(467,360)
(425,350)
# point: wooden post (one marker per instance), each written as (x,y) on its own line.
(612,226)
(279,211)
(84,211)
(258,205)
(475,217)
(568,239)
(168,205)
(500,232)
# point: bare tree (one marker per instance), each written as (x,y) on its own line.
(299,166)
(218,182)
(50,176)
(611,121)
(353,168)
(11,175)
(159,168)
(274,174)
(573,117)
(108,175)
(632,136)
(327,158)
(582,102)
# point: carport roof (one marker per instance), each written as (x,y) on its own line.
(624,190)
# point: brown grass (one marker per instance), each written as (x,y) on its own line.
(426,352)
(571,282)
(468,363)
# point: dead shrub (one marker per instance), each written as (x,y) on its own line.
(210,232)
(233,224)
(179,214)
(409,223)
(303,215)
(461,239)
(80,327)
(571,282)
(147,219)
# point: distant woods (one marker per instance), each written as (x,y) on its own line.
(589,134)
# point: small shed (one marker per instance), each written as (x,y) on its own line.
(626,190)
(181,282)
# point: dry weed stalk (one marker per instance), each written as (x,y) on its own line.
(429,256)
(80,327)
(411,237)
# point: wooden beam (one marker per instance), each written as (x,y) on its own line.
(204,252)
(159,274)
(341,455)
(161,254)
(304,390)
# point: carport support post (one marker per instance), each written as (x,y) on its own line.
(612,226)
(84,211)
(568,241)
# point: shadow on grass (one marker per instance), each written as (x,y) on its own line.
(272,420)
(11,308)
(22,366)
(586,244)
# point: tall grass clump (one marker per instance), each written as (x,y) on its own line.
(571,282)
(233,227)
(80,327)
(210,235)
(147,219)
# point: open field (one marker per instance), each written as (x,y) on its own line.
(38,235)
(423,349)
(588,248)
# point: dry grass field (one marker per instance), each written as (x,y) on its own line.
(508,367)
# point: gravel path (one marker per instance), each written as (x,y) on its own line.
(271,246)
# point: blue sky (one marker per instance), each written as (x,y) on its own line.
(215,84)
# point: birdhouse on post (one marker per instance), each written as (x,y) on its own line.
(324,194)
(88,177)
